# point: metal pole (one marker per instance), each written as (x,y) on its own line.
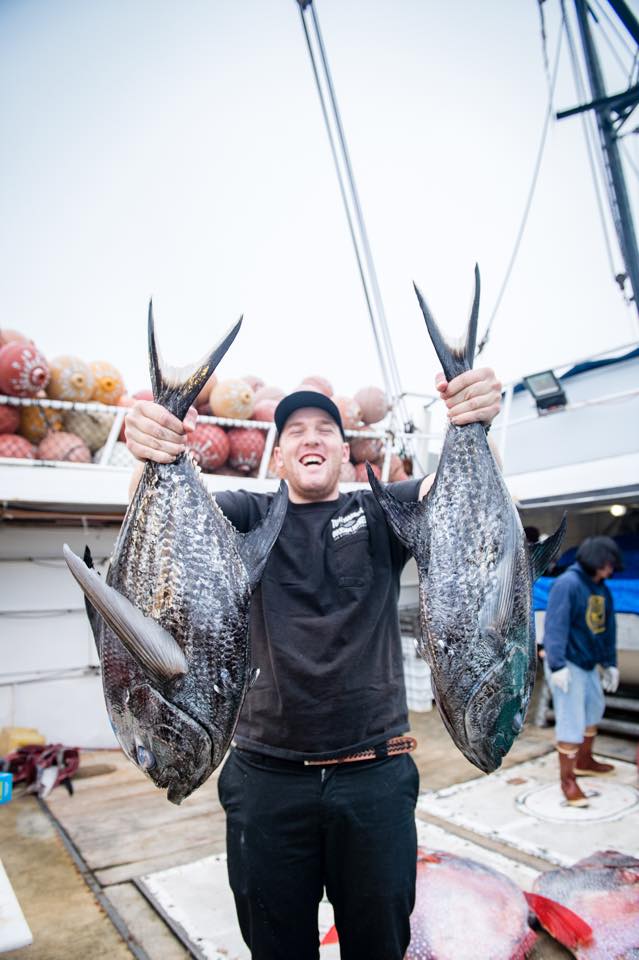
(618,193)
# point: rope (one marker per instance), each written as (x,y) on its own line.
(531,193)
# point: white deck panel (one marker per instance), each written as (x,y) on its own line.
(523,808)
(14,929)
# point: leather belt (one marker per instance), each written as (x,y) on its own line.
(390,748)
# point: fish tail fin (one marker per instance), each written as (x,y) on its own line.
(543,554)
(176,388)
(254,547)
(454,359)
(405,518)
(559,921)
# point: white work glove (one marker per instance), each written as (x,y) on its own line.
(610,679)
(561,679)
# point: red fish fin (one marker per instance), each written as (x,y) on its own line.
(559,921)
(331,936)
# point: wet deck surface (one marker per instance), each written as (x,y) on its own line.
(123,828)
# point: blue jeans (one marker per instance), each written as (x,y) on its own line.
(582,706)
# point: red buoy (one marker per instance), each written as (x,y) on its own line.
(247,447)
(23,370)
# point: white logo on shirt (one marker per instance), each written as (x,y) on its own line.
(351,523)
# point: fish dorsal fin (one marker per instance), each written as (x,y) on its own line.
(497,610)
(148,642)
(454,360)
(176,388)
(543,554)
(406,519)
(255,546)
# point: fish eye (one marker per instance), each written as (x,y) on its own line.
(145,757)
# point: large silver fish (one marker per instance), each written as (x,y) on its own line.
(475,580)
(171,622)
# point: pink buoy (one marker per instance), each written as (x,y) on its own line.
(64,446)
(373,403)
(361,476)
(264,410)
(246,448)
(9,418)
(397,470)
(209,445)
(12,445)
(255,383)
(347,472)
(109,385)
(349,411)
(71,379)
(269,393)
(23,370)
(368,448)
(233,399)
(321,384)
(12,336)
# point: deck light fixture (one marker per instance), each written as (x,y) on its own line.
(618,509)
(546,390)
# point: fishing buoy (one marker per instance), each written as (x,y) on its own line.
(202,399)
(349,412)
(373,403)
(13,336)
(71,379)
(9,418)
(361,476)
(209,445)
(64,446)
(265,410)
(109,385)
(233,399)
(397,471)
(246,448)
(269,393)
(255,383)
(35,422)
(93,428)
(347,472)
(368,448)
(12,445)
(320,384)
(23,370)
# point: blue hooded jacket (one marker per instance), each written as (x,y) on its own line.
(580,622)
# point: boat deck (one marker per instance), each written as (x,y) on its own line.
(73,855)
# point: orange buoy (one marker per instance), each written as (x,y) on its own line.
(71,379)
(35,422)
(109,385)
(233,399)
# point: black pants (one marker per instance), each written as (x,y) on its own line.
(293,830)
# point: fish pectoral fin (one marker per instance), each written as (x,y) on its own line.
(149,643)
(254,547)
(405,518)
(224,686)
(498,606)
(176,388)
(543,554)
(563,924)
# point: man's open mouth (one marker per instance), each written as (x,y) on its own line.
(311,460)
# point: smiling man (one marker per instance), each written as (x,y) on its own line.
(320,788)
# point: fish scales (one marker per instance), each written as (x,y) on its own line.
(171,622)
(475,580)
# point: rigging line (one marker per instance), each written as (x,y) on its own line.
(627,155)
(622,66)
(615,28)
(544,37)
(531,192)
(360,219)
(588,135)
(385,374)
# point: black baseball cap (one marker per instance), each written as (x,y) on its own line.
(306,398)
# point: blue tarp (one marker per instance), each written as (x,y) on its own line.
(625,594)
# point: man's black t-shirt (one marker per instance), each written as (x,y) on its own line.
(325,628)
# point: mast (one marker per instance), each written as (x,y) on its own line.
(611,112)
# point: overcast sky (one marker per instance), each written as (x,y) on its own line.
(177,149)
